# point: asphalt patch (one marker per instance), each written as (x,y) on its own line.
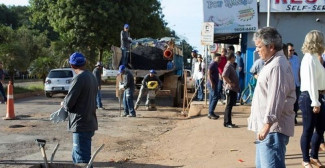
(16,126)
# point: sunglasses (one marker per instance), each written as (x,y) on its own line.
(291,50)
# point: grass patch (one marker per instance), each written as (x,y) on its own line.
(27,89)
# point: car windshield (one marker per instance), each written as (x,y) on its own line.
(61,74)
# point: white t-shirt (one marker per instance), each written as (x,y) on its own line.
(197,73)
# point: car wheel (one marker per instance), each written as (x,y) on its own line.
(47,94)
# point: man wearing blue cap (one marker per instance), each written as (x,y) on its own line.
(80,103)
(149,77)
(125,45)
(128,86)
(97,73)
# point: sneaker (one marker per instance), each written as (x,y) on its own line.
(213,117)
(230,126)
(101,108)
(130,115)
(124,115)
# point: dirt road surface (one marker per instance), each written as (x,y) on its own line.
(154,139)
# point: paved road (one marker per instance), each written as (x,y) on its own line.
(160,139)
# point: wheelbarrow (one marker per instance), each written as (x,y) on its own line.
(41,143)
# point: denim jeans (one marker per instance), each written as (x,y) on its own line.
(142,91)
(213,98)
(81,150)
(128,102)
(296,105)
(2,91)
(125,57)
(313,126)
(220,90)
(99,99)
(271,151)
(241,86)
(199,85)
(231,101)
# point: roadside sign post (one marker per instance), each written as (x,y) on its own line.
(207,37)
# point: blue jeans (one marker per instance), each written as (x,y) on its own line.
(213,98)
(313,126)
(128,102)
(2,91)
(220,90)
(271,151)
(99,99)
(241,86)
(199,86)
(125,57)
(81,150)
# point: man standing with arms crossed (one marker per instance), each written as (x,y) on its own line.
(272,112)
(80,103)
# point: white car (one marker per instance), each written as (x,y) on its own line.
(58,81)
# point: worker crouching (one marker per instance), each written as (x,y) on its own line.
(150,84)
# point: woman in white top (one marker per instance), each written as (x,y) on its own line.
(312,84)
(199,69)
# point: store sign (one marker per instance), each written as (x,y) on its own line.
(231,16)
(293,6)
(207,33)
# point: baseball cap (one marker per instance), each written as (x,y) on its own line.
(121,68)
(153,71)
(195,51)
(126,26)
(99,64)
(77,59)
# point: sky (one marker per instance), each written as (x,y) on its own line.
(183,16)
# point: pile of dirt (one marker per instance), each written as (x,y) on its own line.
(146,58)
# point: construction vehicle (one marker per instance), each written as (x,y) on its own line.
(154,54)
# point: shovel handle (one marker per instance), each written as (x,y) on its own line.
(93,157)
(44,157)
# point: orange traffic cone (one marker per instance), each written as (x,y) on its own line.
(10,103)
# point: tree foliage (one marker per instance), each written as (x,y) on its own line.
(93,26)
(41,36)
(14,16)
(18,48)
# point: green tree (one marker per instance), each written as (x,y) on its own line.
(92,26)
(41,66)
(18,48)
(14,16)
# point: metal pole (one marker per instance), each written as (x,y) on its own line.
(268,13)
(205,73)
